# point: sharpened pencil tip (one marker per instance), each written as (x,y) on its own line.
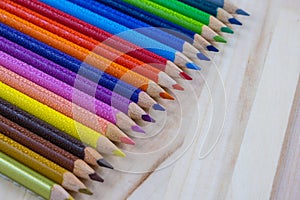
(227,30)
(103,163)
(85,191)
(212,48)
(147,118)
(242,12)
(185,76)
(70,198)
(137,128)
(201,56)
(234,21)
(158,107)
(96,177)
(177,87)
(119,153)
(127,140)
(192,66)
(166,95)
(219,39)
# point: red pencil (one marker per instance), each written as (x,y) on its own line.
(91,44)
(91,31)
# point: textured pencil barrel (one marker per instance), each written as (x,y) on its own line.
(58,120)
(49,133)
(31,179)
(41,164)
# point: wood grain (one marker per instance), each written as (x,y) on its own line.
(234,118)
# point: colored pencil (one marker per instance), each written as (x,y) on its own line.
(179,19)
(105,37)
(123,32)
(195,14)
(229,7)
(126,20)
(73,79)
(48,150)
(84,55)
(76,66)
(42,165)
(71,94)
(52,134)
(32,180)
(195,39)
(106,51)
(63,106)
(60,121)
(214,10)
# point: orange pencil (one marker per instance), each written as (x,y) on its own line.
(84,55)
(91,44)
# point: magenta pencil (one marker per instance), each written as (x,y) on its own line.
(72,94)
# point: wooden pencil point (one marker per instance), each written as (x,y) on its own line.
(178,87)
(234,21)
(119,153)
(127,140)
(158,107)
(241,12)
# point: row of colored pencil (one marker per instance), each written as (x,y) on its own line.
(78,77)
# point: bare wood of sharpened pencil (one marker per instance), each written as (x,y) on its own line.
(47,149)
(52,134)
(201,43)
(62,105)
(42,165)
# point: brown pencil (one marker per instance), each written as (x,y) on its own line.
(47,149)
(42,165)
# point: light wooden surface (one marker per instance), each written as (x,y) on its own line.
(234,133)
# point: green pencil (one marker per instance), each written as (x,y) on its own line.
(178,19)
(31,179)
(195,14)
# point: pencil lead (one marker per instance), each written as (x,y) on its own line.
(85,191)
(96,177)
(158,107)
(137,128)
(185,76)
(165,95)
(119,153)
(193,66)
(127,140)
(147,118)
(219,39)
(70,198)
(212,48)
(103,163)
(242,12)
(226,30)
(201,56)
(177,87)
(234,21)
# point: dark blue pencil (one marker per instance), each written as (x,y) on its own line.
(134,94)
(143,28)
(123,32)
(229,7)
(197,40)
(214,10)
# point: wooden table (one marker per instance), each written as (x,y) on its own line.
(234,132)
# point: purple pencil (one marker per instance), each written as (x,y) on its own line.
(101,93)
(62,89)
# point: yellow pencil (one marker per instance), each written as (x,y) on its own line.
(58,120)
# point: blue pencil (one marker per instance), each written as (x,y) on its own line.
(143,28)
(197,40)
(123,32)
(229,7)
(134,94)
(214,10)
